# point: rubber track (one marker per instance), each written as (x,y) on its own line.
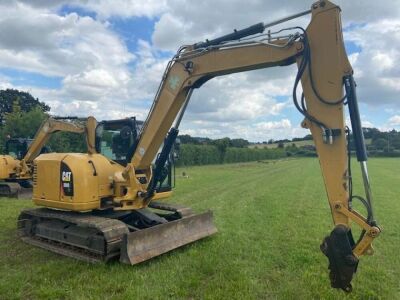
(112,230)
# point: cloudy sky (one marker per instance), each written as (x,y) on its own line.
(106,58)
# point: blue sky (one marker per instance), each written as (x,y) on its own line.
(107,60)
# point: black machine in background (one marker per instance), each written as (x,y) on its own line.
(17,147)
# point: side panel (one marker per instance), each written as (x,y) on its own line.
(47,184)
(75,182)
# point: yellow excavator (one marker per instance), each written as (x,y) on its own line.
(95,209)
(16,166)
(14,151)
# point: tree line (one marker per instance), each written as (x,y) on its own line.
(21,115)
(196,155)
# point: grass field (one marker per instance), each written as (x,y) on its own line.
(275,145)
(297,143)
(271,219)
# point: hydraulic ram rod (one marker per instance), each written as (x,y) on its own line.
(251,30)
(291,17)
(358,136)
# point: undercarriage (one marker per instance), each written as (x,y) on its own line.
(131,236)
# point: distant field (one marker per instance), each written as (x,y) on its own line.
(298,144)
(275,145)
(271,219)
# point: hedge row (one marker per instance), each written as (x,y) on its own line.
(190,155)
(384,154)
(233,155)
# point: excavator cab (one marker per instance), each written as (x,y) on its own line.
(117,140)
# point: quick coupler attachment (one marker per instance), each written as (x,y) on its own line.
(342,262)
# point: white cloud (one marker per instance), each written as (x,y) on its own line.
(91,60)
(105,93)
(182,23)
(105,8)
(237,97)
(283,124)
(259,131)
(5,83)
(186,24)
(377,73)
(126,8)
(367,124)
(38,40)
(147,74)
(394,120)
(98,77)
(370,25)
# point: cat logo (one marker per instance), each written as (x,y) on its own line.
(66,176)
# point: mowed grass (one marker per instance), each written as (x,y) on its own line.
(271,219)
(297,143)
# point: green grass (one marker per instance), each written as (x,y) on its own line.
(271,219)
(297,143)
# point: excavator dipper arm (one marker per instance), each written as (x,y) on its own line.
(323,70)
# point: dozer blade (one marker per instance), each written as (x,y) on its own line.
(24,193)
(147,243)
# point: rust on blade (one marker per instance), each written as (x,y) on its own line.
(144,244)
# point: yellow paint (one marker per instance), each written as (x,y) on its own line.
(8,166)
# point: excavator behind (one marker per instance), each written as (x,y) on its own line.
(15,150)
(17,164)
(95,209)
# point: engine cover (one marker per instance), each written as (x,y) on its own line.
(8,165)
(73,181)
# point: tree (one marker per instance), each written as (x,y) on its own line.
(62,142)
(25,101)
(22,124)
(222,145)
(395,141)
(187,139)
(380,144)
(308,137)
(239,143)
(371,133)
